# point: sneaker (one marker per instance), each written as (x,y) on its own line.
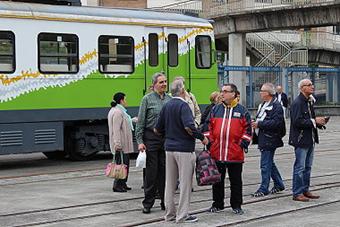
(238,211)
(258,194)
(215,209)
(276,190)
(190,219)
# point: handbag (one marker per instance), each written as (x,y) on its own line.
(206,170)
(116,171)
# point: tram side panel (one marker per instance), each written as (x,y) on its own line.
(48,106)
(37,94)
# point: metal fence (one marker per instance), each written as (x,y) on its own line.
(326,82)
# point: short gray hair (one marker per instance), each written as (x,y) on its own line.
(270,87)
(155,77)
(177,88)
(179,78)
(302,82)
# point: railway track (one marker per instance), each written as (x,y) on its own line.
(68,210)
(99,172)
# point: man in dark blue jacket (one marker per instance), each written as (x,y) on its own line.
(303,136)
(177,124)
(270,128)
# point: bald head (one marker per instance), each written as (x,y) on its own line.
(279,89)
(306,87)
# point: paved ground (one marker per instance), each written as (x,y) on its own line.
(35,191)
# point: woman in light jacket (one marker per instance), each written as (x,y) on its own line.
(120,135)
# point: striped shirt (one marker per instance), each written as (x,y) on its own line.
(148,114)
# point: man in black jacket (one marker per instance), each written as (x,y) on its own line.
(303,136)
(282,98)
(270,128)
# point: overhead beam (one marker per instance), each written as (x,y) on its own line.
(278,19)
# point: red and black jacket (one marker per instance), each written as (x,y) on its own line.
(229,132)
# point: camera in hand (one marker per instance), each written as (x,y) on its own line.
(327,119)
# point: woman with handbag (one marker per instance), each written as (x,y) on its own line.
(120,136)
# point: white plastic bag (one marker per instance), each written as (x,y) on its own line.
(141,160)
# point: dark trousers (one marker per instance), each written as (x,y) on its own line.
(155,169)
(126,160)
(235,178)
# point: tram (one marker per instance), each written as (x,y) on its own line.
(60,66)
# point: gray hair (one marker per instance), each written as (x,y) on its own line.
(179,78)
(177,88)
(155,77)
(302,82)
(270,87)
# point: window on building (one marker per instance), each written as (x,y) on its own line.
(116,54)
(58,53)
(7,52)
(153,49)
(172,50)
(203,52)
(336,29)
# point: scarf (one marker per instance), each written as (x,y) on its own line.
(128,118)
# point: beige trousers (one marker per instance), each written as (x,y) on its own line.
(178,165)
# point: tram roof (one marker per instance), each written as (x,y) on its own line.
(89,14)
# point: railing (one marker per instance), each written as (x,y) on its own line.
(264,48)
(216,8)
(294,58)
(277,48)
(193,7)
(320,39)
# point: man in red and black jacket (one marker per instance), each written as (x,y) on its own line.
(229,134)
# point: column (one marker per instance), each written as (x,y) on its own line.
(237,57)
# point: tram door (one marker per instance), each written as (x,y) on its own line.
(176,55)
(154,51)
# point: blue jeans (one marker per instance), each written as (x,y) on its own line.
(269,170)
(302,169)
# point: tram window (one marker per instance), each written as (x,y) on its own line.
(153,49)
(58,53)
(172,50)
(7,52)
(203,52)
(116,54)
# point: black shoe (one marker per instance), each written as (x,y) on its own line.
(215,209)
(162,206)
(190,219)
(127,187)
(157,196)
(238,211)
(119,190)
(146,210)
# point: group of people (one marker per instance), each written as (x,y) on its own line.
(169,124)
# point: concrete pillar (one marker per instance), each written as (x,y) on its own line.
(336,88)
(237,57)
(329,88)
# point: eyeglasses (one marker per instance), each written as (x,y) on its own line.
(307,85)
(226,91)
(162,82)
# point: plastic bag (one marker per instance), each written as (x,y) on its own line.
(141,160)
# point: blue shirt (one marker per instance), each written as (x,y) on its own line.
(177,124)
